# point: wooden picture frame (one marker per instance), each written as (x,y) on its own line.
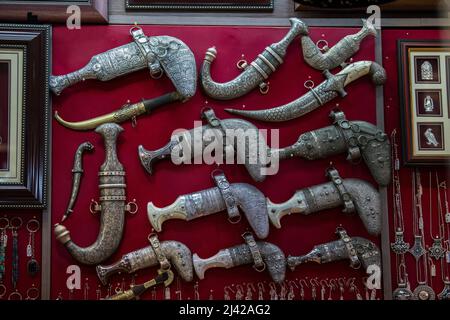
(198,5)
(424,87)
(24,115)
(39,11)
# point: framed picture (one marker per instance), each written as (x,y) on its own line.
(39,11)
(24,115)
(222,5)
(424,86)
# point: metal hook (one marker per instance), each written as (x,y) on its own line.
(316,280)
(303,280)
(292,282)
(251,285)
(261,286)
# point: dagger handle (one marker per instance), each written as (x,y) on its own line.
(221,259)
(157,216)
(296,204)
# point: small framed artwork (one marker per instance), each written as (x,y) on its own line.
(24,115)
(39,11)
(424,86)
(211,5)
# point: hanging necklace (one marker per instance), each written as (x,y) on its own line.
(32,264)
(447,221)
(399,246)
(4,224)
(445,293)
(436,251)
(423,291)
(15,224)
(417,250)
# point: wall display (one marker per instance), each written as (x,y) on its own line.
(92,11)
(205,236)
(24,104)
(425,83)
(228,5)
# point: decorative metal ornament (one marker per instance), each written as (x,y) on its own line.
(255,73)
(417,249)
(431,138)
(252,252)
(161,54)
(428,104)
(354,194)
(176,252)
(329,58)
(328,90)
(402,292)
(437,251)
(112,205)
(399,246)
(424,292)
(445,293)
(426,71)
(360,252)
(33,267)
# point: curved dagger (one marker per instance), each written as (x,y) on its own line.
(317,97)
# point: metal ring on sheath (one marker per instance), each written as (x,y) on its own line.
(325,42)
(129,204)
(2,220)
(30,290)
(134,28)
(3,292)
(309,87)
(241,64)
(15,222)
(15,293)
(216,172)
(33,225)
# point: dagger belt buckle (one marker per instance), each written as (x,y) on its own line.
(259,264)
(351,251)
(156,246)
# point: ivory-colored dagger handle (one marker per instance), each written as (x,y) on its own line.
(221,259)
(296,204)
(157,216)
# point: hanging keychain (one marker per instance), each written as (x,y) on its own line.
(239,292)
(4,224)
(261,290)
(226,293)
(291,293)
(15,224)
(32,293)
(323,290)
(196,292)
(250,290)
(32,264)
(341,282)
(302,289)
(283,291)
(273,291)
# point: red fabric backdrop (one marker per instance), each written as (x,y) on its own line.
(73,49)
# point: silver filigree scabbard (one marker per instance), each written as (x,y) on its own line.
(359,139)
(251,149)
(192,206)
(255,73)
(325,92)
(165,54)
(239,255)
(339,53)
(176,252)
(360,252)
(112,205)
(353,194)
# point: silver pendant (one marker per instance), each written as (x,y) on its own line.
(424,292)
(417,250)
(399,246)
(445,293)
(437,251)
(402,292)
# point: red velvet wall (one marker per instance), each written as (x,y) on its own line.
(73,49)
(392,118)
